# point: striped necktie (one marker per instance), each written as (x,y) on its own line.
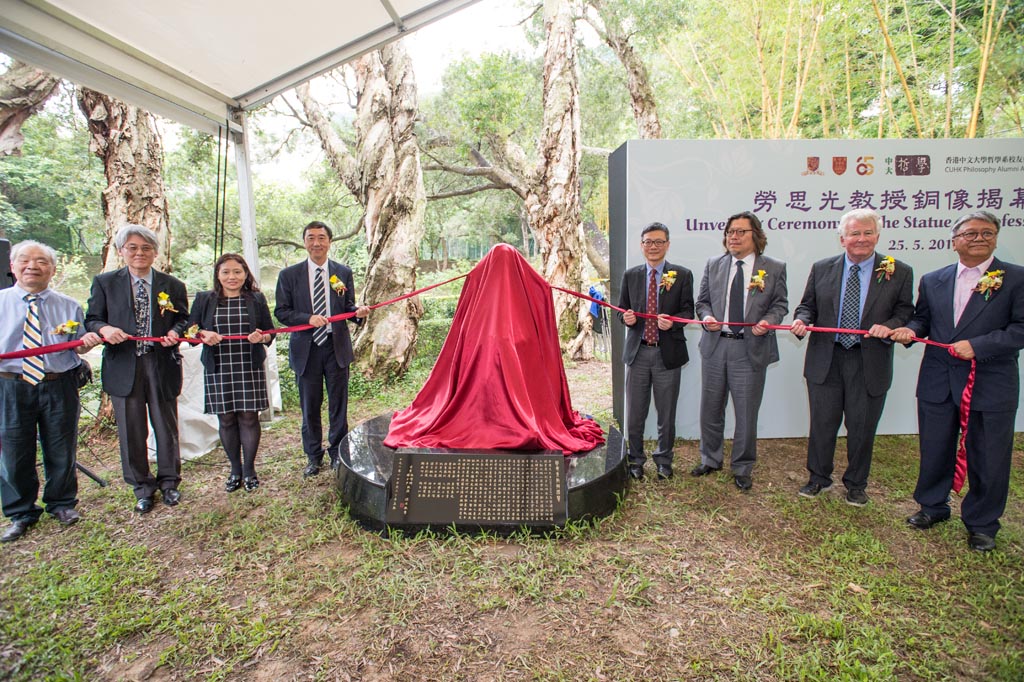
(319,306)
(32,367)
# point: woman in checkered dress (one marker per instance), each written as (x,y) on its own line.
(236,385)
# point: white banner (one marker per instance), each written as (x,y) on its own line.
(799,190)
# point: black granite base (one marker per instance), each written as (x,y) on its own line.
(413,489)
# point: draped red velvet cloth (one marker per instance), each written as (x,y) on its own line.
(499,382)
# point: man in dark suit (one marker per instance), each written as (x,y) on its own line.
(848,375)
(655,349)
(977,305)
(743,285)
(143,379)
(308,293)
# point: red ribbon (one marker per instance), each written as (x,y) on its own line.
(959,476)
(960,471)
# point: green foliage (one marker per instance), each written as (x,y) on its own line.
(52,192)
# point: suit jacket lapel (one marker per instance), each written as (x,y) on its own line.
(758,265)
(836,277)
(306,283)
(874,287)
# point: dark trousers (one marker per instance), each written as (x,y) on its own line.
(50,412)
(843,394)
(321,366)
(646,376)
(133,413)
(989,454)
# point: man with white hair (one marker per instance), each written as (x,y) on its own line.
(848,375)
(143,378)
(38,394)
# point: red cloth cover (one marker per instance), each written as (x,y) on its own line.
(499,381)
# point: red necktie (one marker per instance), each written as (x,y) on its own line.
(651,325)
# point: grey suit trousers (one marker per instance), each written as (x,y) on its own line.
(727,371)
(645,376)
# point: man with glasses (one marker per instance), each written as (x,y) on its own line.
(977,305)
(655,349)
(848,375)
(743,285)
(143,378)
(38,394)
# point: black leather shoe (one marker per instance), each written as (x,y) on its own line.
(171,497)
(16,530)
(743,482)
(981,542)
(311,470)
(664,472)
(703,470)
(233,483)
(68,516)
(251,483)
(636,471)
(335,463)
(924,521)
(144,505)
(812,489)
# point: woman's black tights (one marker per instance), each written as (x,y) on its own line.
(240,438)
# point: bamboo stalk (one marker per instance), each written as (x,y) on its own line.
(818,18)
(782,70)
(896,65)
(949,70)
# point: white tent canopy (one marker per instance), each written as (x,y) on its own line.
(201,61)
(204,63)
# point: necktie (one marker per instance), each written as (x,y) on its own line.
(736,298)
(965,284)
(142,307)
(849,318)
(319,306)
(651,325)
(32,368)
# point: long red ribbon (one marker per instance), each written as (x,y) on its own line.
(960,473)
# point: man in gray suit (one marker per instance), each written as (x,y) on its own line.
(655,349)
(848,375)
(743,285)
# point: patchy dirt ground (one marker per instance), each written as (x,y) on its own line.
(690,579)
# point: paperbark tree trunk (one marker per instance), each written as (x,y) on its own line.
(384,174)
(125,138)
(553,202)
(638,81)
(23,91)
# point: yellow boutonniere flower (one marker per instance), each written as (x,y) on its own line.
(68,328)
(886,268)
(192,332)
(667,280)
(163,301)
(757,281)
(992,281)
(338,286)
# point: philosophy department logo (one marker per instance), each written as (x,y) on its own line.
(838,165)
(813,166)
(920,164)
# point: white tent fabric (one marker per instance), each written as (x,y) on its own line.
(197,61)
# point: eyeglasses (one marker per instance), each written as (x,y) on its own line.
(133,249)
(736,233)
(653,242)
(986,235)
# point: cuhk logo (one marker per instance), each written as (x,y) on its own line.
(838,165)
(813,163)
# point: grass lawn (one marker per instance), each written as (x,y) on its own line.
(688,580)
